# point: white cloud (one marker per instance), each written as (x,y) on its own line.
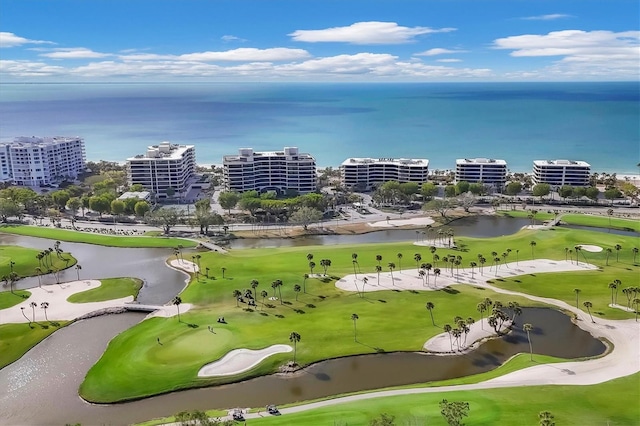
(245,54)
(12,40)
(229,38)
(372,32)
(581,52)
(74,53)
(549,17)
(448,60)
(439,51)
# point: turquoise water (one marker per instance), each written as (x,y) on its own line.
(518,122)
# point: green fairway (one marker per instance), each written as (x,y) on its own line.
(111,288)
(17,339)
(25,261)
(9,299)
(98,239)
(406,326)
(610,403)
(598,221)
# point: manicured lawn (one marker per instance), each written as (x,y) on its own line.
(389,320)
(111,288)
(611,403)
(8,299)
(25,261)
(602,221)
(17,339)
(98,239)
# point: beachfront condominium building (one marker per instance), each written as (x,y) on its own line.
(165,169)
(488,171)
(365,173)
(282,171)
(561,172)
(35,161)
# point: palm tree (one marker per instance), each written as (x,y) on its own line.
(22,308)
(309,257)
(365,280)
(610,213)
(254,285)
(447,329)
(354,258)
(236,295)
(295,338)
(430,306)
(589,305)
(618,247)
(527,327)
(472,265)
(392,266)
(618,284)
(206,272)
(399,261)
(427,267)
(566,252)
(304,283)
(264,294)
(482,261)
(78,267)
(417,257)
(421,274)
(481,307)
(325,263)
(577,292)
(44,306)
(608,251)
(223,269)
(436,273)
(379,258)
(354,318)
(312,265)
(33,309)
(635,253)
(38,273)
(297,289)
(636,302)
(532,244)
(613,286)
(177,301)
(378,270)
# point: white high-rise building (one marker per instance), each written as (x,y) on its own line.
(561,172)
(163,166)
(35,161)
(280,171)
(365,173)
(488,171)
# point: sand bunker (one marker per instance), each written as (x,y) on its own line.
(184,265)
(240,360)
(419,221)
(590,248)
(443,342)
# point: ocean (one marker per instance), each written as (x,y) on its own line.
(517,122)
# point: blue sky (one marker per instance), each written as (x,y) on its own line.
(319,40)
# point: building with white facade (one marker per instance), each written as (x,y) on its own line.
(561,172)
(365,173)
(35,161)
(281,171)
(488,171)
(163,166)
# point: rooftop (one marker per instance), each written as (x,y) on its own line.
(422,162)
(164,150)
(35,140)
(480,161)
(561,163)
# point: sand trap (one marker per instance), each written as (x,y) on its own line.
(622,308)
(408,279)
(240,360)
(393,223)
(59,308)
(478,331)
(590,248)
(184,265)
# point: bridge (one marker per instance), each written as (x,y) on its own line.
(554,221)
(211,246)
(142,308)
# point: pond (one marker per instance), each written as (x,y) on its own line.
(472,226)
(52,372)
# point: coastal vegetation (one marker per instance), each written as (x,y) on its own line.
(270,322)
